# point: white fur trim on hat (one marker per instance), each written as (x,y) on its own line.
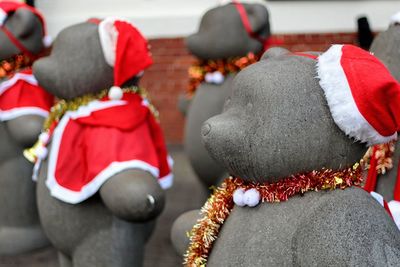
(395,18)
(341,102)
(108,39)
(3,17)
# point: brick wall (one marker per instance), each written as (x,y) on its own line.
(167,77)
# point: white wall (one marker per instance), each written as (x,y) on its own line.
(170,18)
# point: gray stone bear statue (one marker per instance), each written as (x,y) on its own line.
(23,108)
(227,34)
(100,184)
(282,121)
(386,47)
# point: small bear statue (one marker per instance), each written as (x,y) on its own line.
(230,37)
(384,176)
(23,108)
(102,163)
(292,135)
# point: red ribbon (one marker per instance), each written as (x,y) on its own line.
(266,42)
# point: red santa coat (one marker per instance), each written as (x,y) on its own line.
(101,139)
(20,95)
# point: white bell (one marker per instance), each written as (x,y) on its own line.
(41,152)
(238,197)
(218,78)
(44,138)
(251,197)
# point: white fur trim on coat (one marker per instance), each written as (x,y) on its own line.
(93,186)
(341,102)
(394,207)
(11,114)
(29,78)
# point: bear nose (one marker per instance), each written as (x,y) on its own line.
(205,129)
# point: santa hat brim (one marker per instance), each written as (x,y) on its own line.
(345,113)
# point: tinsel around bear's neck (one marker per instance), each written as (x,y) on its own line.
(14,64)
(218,207)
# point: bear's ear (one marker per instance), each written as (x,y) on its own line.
(259,19)
(274,52)
(23,24)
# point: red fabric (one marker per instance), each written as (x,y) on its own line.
(23,94)
(386,206)
(132,53)
(115,134)
(17,43)
(11,6)
(370,183)
(305,55)
(380,104)
(266,42)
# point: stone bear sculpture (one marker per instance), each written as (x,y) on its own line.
(23,108)
(100,182)
(281,121)
(386,47)
(226,35)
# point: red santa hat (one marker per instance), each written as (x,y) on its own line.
(8,7)
(363,97)
(125,49)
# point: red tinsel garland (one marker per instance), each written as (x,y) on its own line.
(218,207)
(198,71)
(14,64)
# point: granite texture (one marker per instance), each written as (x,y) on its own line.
(277,123)
(221,35)
(20,230)
(112,227)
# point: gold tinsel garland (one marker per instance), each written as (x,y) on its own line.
(218,207)
(14,64)
(198,71)
(62,106)
(383,156)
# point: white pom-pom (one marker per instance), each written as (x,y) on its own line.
(377,197)
(41,152)
(115,93)
(215,77)
(47,41)
(44,138)
(209,77)
(218,78)
(394,207)
(251,197)
(238,197)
